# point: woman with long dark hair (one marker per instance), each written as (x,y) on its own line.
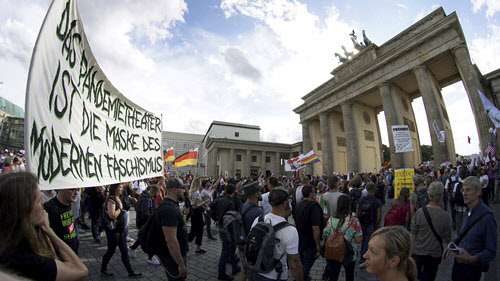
(343,221)
(198,207)
(27,243)
(116,237)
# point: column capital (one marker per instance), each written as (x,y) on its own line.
(420,67)
(346,103)
(458,48)
(384,84)
(324,113)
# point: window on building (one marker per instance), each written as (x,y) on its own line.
(254,158)
(186,144)
(319,146)
(174,143)
(236,134)
(165,143)
(268,159)
(238,173)
(238,157)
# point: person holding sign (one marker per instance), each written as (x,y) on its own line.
(27,243)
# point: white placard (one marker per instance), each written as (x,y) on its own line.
(402,138)
(81,131)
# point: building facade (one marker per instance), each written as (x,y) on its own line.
(182,143)
(11,126)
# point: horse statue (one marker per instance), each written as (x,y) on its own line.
(366,40)
(341,58)
(347,54)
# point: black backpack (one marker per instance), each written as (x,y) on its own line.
(459,197)
(422,197)
(151,236)
(259,247)
(365,210)
(355,196)
(234,228)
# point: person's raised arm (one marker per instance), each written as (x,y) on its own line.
(70,267)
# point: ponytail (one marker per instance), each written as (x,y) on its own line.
(411,269)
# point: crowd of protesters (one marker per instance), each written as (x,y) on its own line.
(39,234)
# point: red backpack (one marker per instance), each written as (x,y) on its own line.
(394,216)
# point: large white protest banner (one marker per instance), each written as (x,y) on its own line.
(402,138)
(81,131)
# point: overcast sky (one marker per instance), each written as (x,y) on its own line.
(241,61)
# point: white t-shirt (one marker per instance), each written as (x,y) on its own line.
(364,192)
(289,244)
(140,185)
(298,195)
(265,203)
(206,194)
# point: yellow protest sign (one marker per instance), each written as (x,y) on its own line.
(403,178)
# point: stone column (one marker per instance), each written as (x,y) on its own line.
(214,162)
(248,167)
(472,83)
(277,170)
(432,109)
(263,163)
(351,138)
(391,118)
(326,145)
(380,146)
(306,143)
(231,162)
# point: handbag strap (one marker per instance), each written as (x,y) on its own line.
(429,221)
(464,233)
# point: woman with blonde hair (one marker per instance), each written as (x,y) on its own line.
(198,207)
(388,255)
(27,243)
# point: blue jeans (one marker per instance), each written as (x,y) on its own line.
(307,257)
(367,233)
(228,252)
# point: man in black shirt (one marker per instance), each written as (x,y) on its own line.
(61,217)
(222,206)
(309,226)
(173,256)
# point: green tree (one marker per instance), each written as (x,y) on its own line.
(387,152)
(427,154)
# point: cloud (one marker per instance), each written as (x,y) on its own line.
(424,12)
(493,6)
(239,64)
(401,5)
(484,50)
(16,41)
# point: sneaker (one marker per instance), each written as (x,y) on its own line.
(99,235)
(135,274)
(131,252)
(130,239)
(97,241)
(154,261)
(106,273)
(225,277)
(201,251)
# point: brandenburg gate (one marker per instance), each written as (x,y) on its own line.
(339,118)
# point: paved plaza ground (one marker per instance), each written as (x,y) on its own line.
(204,266)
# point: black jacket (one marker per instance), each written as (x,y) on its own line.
(222,206)
(144,209)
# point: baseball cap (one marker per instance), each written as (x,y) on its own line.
(251,188)
(175,183)
(277,196)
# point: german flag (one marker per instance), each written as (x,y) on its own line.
(169,155)
(186,159)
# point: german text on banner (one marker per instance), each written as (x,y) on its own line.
(80,130)
(187,159)
(403,178)
(169,155)
(301,161)
(402,138)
